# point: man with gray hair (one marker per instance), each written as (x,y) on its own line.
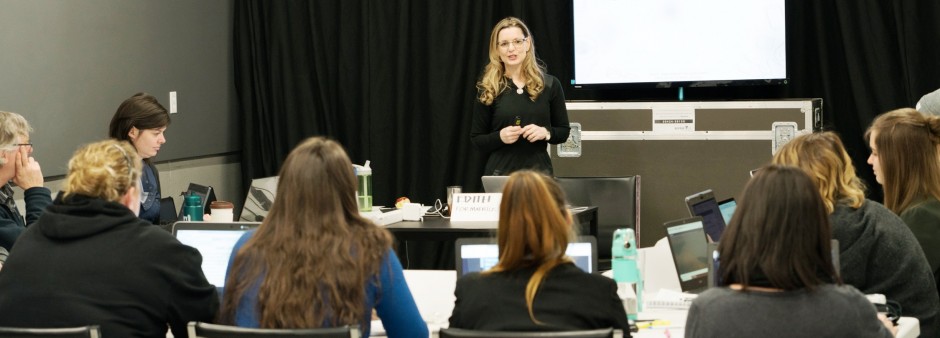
(18,168)
(930,103)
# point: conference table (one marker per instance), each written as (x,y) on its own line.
(433,292)
(429,243)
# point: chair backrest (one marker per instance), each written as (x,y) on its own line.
(617,200)
(461,333)
(91,331)
(206,330)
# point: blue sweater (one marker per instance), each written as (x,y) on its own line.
(395,305)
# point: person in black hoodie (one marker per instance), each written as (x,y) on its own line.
(89,260)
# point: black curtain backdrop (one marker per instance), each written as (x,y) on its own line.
(393,81)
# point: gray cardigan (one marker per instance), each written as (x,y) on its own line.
(879,254)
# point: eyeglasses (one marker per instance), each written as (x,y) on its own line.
(518,43)
(23,145)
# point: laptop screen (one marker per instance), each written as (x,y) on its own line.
(727,209)
(494,184)
(214,241)
(480,254)
(689,252)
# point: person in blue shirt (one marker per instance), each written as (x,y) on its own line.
(314,261)
(142,121)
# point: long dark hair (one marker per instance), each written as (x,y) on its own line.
(314,253)
(779,234)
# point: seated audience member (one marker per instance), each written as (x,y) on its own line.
(141,121)
(930,103)
(534,286)
(877,251)
(18,168)
(776,263)
(904,156)
(90,261)
(314,261)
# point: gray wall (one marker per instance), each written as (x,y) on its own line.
(66,65)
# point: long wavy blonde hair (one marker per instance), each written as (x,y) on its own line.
(493,82)
(823,157)
(534,229)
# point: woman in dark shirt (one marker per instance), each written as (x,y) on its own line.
(534,286)
(519,109)
(141,120)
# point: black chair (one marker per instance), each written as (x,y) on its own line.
(91,331)
(206,330)
(461,333)
(618,206)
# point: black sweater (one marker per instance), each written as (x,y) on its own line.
(567,299)
(879,254)
(91,262)
(548,110)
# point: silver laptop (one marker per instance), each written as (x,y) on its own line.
(494,184)
(214,242)
(259,200)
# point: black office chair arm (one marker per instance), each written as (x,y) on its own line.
(206,330)
(463,333)
(91,331)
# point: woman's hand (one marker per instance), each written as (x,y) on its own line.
(535,133)
(510,134)
(888,324)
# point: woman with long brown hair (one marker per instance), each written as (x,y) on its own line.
(314,261)
(776,263)
(519,108)
(534,286)
(904,156)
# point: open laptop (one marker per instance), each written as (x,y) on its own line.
(480,254)
(260,198)
(704,204)
(727,207)
(214,242)
(494,184)
(689,252)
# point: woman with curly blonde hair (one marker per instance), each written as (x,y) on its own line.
(90,260)
(519,108)
(877,251)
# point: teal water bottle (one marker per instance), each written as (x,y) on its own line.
(364,193)
(192,207)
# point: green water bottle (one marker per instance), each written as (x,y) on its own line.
(364,193)
(192,207)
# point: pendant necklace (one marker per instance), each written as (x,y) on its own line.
(519,90)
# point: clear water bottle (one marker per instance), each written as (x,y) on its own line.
(192,207)
(364,193)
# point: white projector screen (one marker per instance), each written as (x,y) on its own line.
(714,42)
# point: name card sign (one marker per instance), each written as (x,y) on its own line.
(475,207)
